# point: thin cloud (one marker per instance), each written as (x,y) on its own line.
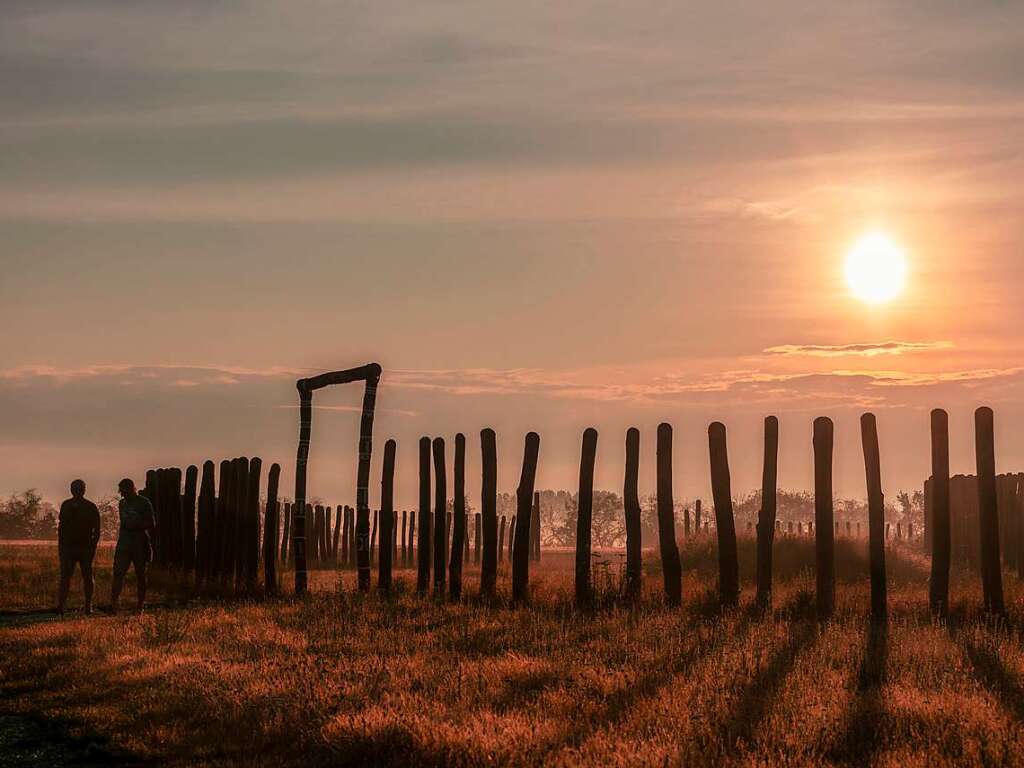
(858,350)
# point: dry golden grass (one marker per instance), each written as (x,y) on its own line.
(342,678)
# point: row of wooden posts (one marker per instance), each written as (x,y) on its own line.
(224,545)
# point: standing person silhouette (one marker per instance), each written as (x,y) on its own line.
(78,532)
(133,547)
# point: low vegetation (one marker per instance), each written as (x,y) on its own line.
(339,678)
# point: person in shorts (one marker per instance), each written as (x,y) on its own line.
(78,532)
(133,546)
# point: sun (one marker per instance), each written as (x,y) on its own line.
(876,268)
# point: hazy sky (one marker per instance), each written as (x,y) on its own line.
(533,215)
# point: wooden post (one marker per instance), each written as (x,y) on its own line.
(524,499)
(412,535)
(286,532)
(205,520)
(363,545)
(511,536)
(339,512)
(721,486)
(988,514)
(299,506)
(374,538)
(252,531)
(477,544)
(270,532)
(535,528)
(686,522)
(458,519)
(584,514)
(387,517)
(696,516)
(876,516)
(405,548)
(766,515)
(631,509)
(492,546)
(188,512)
(316,540)
(671,569)
(424,543)
(501,540)
(228,489)
(440,516)
(824,527)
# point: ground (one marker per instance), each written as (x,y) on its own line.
(338,678)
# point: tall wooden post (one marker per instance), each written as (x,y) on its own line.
(988,513)
(252,528)
(205,521)
(876,516)
(477,543)
(824,542)
(412,535)
(440,516)
(299,506)
(188,512)
(270,532)
(938,588)
(458,519)
(535,528)
(584,515)
(374,538)
(286,532)
(489,513)
(339,512)
(501,540)
(524,500)
(766,515)
(423,556)
(631,509)
(405,548)
(721,486)
(387,517)
(671,568)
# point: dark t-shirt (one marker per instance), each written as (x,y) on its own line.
(136,519)
(78,525)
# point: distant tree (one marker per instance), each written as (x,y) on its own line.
(26,516)
(109,519)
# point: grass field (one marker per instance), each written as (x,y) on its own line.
(338,678)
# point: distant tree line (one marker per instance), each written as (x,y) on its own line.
(26,515)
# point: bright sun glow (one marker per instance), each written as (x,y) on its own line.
(876,268)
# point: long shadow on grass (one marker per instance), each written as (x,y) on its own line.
(665,670)
(992,672)
(756,699)
(860,740)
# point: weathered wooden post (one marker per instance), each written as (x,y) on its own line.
(876,516)
(440,516)
(363,547)
(241,521)
(204,521)
(353,545)
(188,512)
(270,532)
(766,515)
(227,522)
(336,544)
(316,539)
(423,542)
(721,487)
(501,540)
(899,530)
(252,531)
(988,513)
(477,544)
(374,537)
(686,522)
(458,519)
(511,536)
(405,548)
(492,547)
(217,546)
(394,536)
(535,528)
(584,515)
(286,532)
(631,510)
(524,499)
(671,569)
(824,543)
(412,536)
(696,516)
(387,517)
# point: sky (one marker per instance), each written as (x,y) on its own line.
(534,216)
